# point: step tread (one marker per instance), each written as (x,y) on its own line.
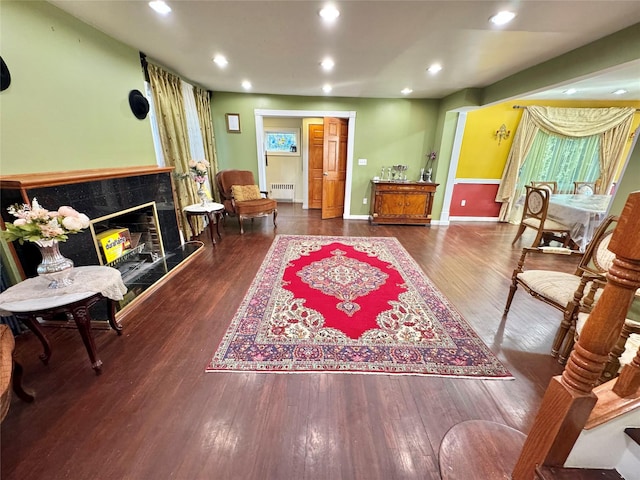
(559,473)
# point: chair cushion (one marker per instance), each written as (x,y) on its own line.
(242,193)
(256,207)
(548,224)
(556,286)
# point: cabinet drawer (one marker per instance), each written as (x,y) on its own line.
(399,187)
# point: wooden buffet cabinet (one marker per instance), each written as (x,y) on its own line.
(407,203)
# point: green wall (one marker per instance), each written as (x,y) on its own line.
(387,132)
(67,107)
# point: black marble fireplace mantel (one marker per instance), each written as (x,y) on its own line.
(96,193)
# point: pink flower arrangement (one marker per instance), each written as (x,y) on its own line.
(199,170)
(35,224)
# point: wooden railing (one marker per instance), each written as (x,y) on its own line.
(569,399)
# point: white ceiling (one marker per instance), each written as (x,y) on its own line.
(379,47)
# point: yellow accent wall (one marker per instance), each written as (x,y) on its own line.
(480,155)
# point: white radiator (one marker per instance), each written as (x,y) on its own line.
(282,191)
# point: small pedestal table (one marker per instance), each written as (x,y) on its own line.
(32,299)
(212,210)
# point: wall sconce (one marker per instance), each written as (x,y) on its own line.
(502,133)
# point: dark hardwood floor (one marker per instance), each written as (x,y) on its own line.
(155,414)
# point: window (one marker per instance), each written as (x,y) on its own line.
(282,141)
(563,159)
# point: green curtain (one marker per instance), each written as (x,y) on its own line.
(562,159)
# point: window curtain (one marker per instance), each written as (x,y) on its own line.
(203,107)
(174,138)
(612,124)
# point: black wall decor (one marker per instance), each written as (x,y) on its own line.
(5,75)
(139,104)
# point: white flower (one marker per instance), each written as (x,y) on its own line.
(72,224)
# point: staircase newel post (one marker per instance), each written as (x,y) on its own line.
(569,399)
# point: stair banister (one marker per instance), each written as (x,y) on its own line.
(569,399)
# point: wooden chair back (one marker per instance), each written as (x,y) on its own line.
(597,258)
(551,186)
(584,188)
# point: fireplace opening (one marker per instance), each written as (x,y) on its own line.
(131,242)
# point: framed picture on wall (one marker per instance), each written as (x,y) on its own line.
(233,122)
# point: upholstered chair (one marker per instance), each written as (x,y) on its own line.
(10,372)
(585,188)
(242,198)
(570,293)
(534,216)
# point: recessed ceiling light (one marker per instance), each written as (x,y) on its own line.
(502,18)
(329,13)
(620,91)
(160,7)
(327,64)
(327,88)
(246,84)
(570,91)
(435,68)
(220,60)
(406,91)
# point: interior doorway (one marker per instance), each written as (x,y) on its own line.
(349,116)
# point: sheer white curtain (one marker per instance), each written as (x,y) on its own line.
(612,124)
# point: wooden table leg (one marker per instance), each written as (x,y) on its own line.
(211,218)
(111,313)
(83,321)
(32,324)
(218,216)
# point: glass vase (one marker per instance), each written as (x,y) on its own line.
(202,194)
(54,266)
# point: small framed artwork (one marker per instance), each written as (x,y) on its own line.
(233,122)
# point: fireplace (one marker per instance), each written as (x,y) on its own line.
(138,199)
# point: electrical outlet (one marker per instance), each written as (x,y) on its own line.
(463,203)
(364,201)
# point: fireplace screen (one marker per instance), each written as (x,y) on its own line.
(129,240)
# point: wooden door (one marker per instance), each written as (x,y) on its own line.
(334,163)
(316,150)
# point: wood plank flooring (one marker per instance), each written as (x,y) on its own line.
(155,414)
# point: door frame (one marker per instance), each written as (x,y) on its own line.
(262,168)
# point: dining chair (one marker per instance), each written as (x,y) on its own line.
(551,186)
(571,293)
(585,188)
(534,216)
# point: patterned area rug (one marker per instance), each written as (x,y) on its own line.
(353,305)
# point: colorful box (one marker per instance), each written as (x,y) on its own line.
(114,243)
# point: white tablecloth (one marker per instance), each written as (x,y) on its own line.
(581,213)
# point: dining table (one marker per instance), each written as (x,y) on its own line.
(581,213)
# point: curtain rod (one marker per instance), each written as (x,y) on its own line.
(523,106)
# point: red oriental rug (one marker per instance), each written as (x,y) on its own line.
(349,304)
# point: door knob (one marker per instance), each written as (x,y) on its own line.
(326,174)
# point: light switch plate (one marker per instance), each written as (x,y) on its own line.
(362,161)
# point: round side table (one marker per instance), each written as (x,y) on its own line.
(211,210)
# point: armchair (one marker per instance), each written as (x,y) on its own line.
(10,372)
(241,196)
(570,293)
